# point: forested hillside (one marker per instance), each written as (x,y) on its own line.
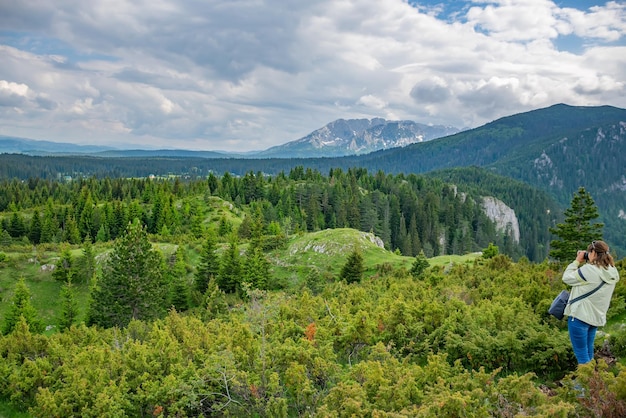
(535,209)
(409,213)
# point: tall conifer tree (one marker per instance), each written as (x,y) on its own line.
(132,284)
(34,232)
(209,265)
(179,287)
(20,306)
(353,270)
(69,306)
(578,228)
(229,279)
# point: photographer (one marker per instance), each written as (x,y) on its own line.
(593,284)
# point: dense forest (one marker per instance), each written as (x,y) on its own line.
(409,213)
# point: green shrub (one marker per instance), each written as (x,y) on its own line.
(617,343)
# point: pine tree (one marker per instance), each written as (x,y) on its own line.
(577,230)
(132,284)
(419,265)
(179,288)
(20,306)
(34,232)
(63,266)
(86,265)
(352,271)
(256,268)
(69,306)
(209,265)
(229,278)
(491,251)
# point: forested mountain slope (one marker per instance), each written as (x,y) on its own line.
(558,150)
(535,209)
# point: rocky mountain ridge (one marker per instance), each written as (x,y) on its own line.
(345,137)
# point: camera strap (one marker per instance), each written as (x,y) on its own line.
(602,283)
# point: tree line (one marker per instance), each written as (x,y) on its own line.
(409,213)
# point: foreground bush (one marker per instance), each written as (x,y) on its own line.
(473,341)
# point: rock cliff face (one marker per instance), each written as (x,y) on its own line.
(502,215)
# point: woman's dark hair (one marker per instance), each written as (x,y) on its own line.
(603,257)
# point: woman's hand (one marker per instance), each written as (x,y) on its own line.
(580,256)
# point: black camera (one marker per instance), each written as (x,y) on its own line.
(586,256)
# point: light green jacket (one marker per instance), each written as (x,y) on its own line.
(583,279)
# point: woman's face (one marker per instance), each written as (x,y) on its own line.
(592,255)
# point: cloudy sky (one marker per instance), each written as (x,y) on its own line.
(243,75)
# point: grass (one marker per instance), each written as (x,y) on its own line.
(445,260)
(327,251)
(8,411)
(44,289)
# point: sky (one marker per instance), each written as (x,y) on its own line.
(244,75)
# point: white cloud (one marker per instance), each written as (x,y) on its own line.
(605,23)
(250,74)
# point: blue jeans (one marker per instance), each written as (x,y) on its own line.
(582,335)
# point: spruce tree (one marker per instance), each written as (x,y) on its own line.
(256,268)
(419,265)
(17,226)
(179,288)
(352,271)
(132,284)
(49,227)
(209,265)
(20,306)
(71,233)
(214,300)
(34,232)
(5,238)
(86,265)
(578,228)
(229,278)
(63,267)
(69,306)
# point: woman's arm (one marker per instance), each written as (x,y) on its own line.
(571,275)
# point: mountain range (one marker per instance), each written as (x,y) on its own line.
(339,138)
(356,137)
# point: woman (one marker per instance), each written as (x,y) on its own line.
(592,287)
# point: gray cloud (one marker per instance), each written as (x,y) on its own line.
(250,74)
(430,91)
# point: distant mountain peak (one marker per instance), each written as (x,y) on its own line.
(357,136)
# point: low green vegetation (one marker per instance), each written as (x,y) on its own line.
(470,335)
